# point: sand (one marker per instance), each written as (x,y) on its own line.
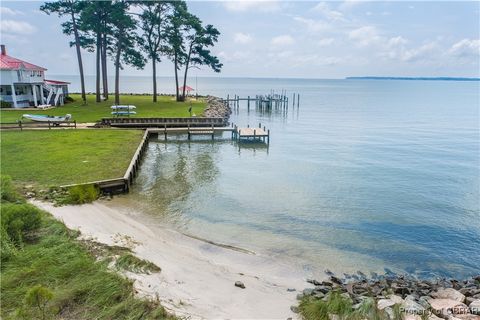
(197,278)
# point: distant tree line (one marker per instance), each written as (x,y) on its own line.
(134,32)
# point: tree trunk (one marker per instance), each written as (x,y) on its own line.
(117,71)
(79,57)
(99,44)
(154,69)
(186,72)
(176,76)
(104,67)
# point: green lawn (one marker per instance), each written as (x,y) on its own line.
(93,111)
(58,157)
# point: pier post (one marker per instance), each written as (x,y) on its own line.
(248,103)
(298,100)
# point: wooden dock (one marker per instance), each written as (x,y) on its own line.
(122,184)
(265,103)
(252,133)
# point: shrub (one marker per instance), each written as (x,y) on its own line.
(18,220)
(36,302)
(7,190)
(82,194)
(68,99)
(7,248)
(5,104)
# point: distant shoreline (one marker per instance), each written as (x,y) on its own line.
(414,78)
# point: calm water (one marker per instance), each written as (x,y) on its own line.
(364,175)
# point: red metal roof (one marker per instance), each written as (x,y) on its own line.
(56,82)
(11,63)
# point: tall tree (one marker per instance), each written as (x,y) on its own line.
(188,43)
(198,40)
(126,53)
(153,23)
(96,20)
(71,9)
(175,46)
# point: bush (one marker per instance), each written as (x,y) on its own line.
(7,247)
(82,194)
(7,190)
(68,99)
(18,220)
(5,104)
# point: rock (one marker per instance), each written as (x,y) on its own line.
(300,296)
(448,293)
(322,289)
(308,291)
(410,307)
(385,303)
(396,299)
(445,307)
(291,290)
(239,284)
(294,309)
(475,307)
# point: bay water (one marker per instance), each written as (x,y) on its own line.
(370,175)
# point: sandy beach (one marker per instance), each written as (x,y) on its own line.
(197,278)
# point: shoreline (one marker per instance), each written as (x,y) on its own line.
(198,277)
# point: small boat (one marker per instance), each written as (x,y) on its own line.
(46,118)
(123,107)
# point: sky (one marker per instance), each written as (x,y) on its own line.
(289,39)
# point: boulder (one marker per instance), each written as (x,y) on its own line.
(448,293)
(445,307)
(475,307)
(239,284)
(385,303)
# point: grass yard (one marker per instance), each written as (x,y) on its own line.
(93,111)
(56,157)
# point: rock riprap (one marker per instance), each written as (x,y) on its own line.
(217,108)
(434,299)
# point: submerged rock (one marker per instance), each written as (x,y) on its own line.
(239,284)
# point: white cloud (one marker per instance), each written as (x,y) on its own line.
(325,42)
(8,11)
(283,40)
(364,36)
(349,4)
(424,52)
(246,5)
(466,48)
(313,25)
(16,27)
(324,9)
(242,38)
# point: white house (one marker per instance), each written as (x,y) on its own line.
(23,84)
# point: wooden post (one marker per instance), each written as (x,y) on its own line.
(298,100)
(48,125)
(165,131)
(20,123)
(248,103)
(259,125)
(213,132)
(293,104)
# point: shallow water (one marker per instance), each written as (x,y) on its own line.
(365,174)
